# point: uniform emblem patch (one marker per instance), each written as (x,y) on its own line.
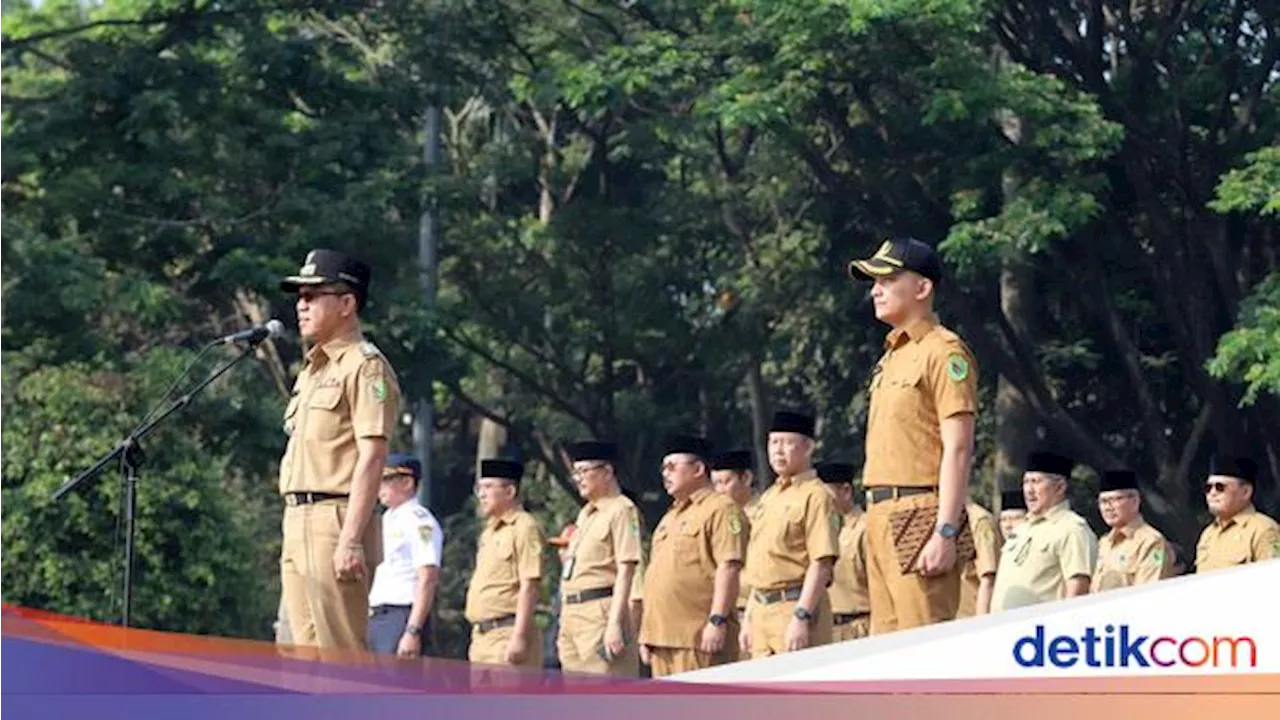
(1157,557)
(635,525)
(380,390)
(957,368)
(425,532)
(735,525)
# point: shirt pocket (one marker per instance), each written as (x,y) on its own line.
(901,390)
(796,526)
(324,417)
(688,542)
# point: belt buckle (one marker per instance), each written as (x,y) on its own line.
(291,499)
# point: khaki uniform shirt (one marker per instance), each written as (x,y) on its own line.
(748,514)
(509,551)
(848,589)
(987,541)
(1248,537)
(795,524)
(1036,563)
(926,375)
(1131,555)
(346,391)
(608,535)
(693,540)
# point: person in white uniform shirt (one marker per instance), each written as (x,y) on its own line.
(404,584)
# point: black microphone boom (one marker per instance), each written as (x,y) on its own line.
(256,334)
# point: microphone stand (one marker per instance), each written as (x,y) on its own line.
(129,452)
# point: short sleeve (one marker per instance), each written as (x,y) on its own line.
(1154,562)
(822,527)
(952,375)
(529,542)
(1078,552)
(728,536)
(427,541)
(1266,543)
(375,400)
(625,528)
(987,541)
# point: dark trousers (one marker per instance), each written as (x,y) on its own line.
(386,626)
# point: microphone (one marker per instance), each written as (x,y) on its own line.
(272,328)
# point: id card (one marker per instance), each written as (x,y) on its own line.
(568,568)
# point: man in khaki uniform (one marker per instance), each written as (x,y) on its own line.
(342,413)
(1053,554)
(692,578)
(919,446)
(791,550)
(850,606)
(503,593)
(596,582)
(1013,510)
(978,578)
(732,474)
(1132,552)
(1239,534)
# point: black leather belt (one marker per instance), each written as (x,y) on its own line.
(485,626)
(587,595)
(307,498)
(384,609)
(880,494)
(846,618)
(769,597)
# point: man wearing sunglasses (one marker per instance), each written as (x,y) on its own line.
(1239,534)
(339,419)
(1131,552)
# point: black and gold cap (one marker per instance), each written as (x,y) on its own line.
(896,255)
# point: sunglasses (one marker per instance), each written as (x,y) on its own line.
(1212,487)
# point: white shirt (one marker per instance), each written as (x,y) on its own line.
(411,538)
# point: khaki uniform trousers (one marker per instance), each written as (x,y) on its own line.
(322,611)
(580,643)
(490,647)
(904,601)
(769,625)
(669,661)
(858,627)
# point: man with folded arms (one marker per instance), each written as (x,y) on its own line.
(692,577)
(503,591)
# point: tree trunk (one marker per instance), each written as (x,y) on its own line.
(1016,421)
(759,422)
(492,438)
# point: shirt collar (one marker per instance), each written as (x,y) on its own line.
(1051,513)
(916,332)
(333,349)
(1129,529)
(785,481)
(1246,512)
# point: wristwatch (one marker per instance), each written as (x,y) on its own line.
(802,613)
(947,530)
(717,620)
(412,629)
